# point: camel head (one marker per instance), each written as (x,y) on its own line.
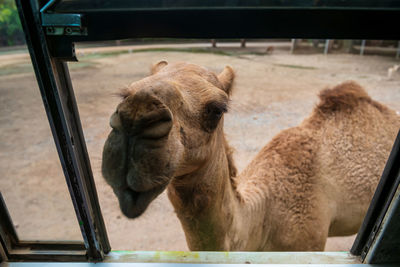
(162,130)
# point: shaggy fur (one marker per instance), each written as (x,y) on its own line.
(309,182)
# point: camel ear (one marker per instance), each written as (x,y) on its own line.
(157,67)
(226,77)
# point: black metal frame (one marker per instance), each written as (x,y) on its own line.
(51,34)
(62,112)
(317,23)
(14,249)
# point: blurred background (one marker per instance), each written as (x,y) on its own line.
(276,88)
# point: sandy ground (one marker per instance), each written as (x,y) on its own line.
(272,92)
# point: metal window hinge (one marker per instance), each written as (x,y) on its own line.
(63,24)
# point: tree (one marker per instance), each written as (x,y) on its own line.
(11,32)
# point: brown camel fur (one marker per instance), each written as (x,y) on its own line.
(309,182)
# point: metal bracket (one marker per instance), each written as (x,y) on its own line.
(384,246)
(63,24)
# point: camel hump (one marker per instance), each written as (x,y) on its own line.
(345,96)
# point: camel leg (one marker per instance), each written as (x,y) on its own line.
(305,231)
(311,238)
(316,231)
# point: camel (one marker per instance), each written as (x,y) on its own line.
(309,182)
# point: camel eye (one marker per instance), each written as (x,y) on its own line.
(215,110)
(212,114)
(215,113)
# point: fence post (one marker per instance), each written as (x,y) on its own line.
(362,47)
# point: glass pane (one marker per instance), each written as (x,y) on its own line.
(89,5)
(31,178)
(274,90)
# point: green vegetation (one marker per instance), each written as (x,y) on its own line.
(187,50)
(89,60)
(11,32)
(26,67)
(184,50)
(296,66)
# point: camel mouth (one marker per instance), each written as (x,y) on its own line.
(134,203)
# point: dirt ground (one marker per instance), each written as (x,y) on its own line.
(272,92)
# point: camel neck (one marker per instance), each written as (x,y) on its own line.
(207,206)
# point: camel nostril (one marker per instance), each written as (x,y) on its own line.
(157,130)
(154,125)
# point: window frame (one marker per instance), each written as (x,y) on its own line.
(50,51)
